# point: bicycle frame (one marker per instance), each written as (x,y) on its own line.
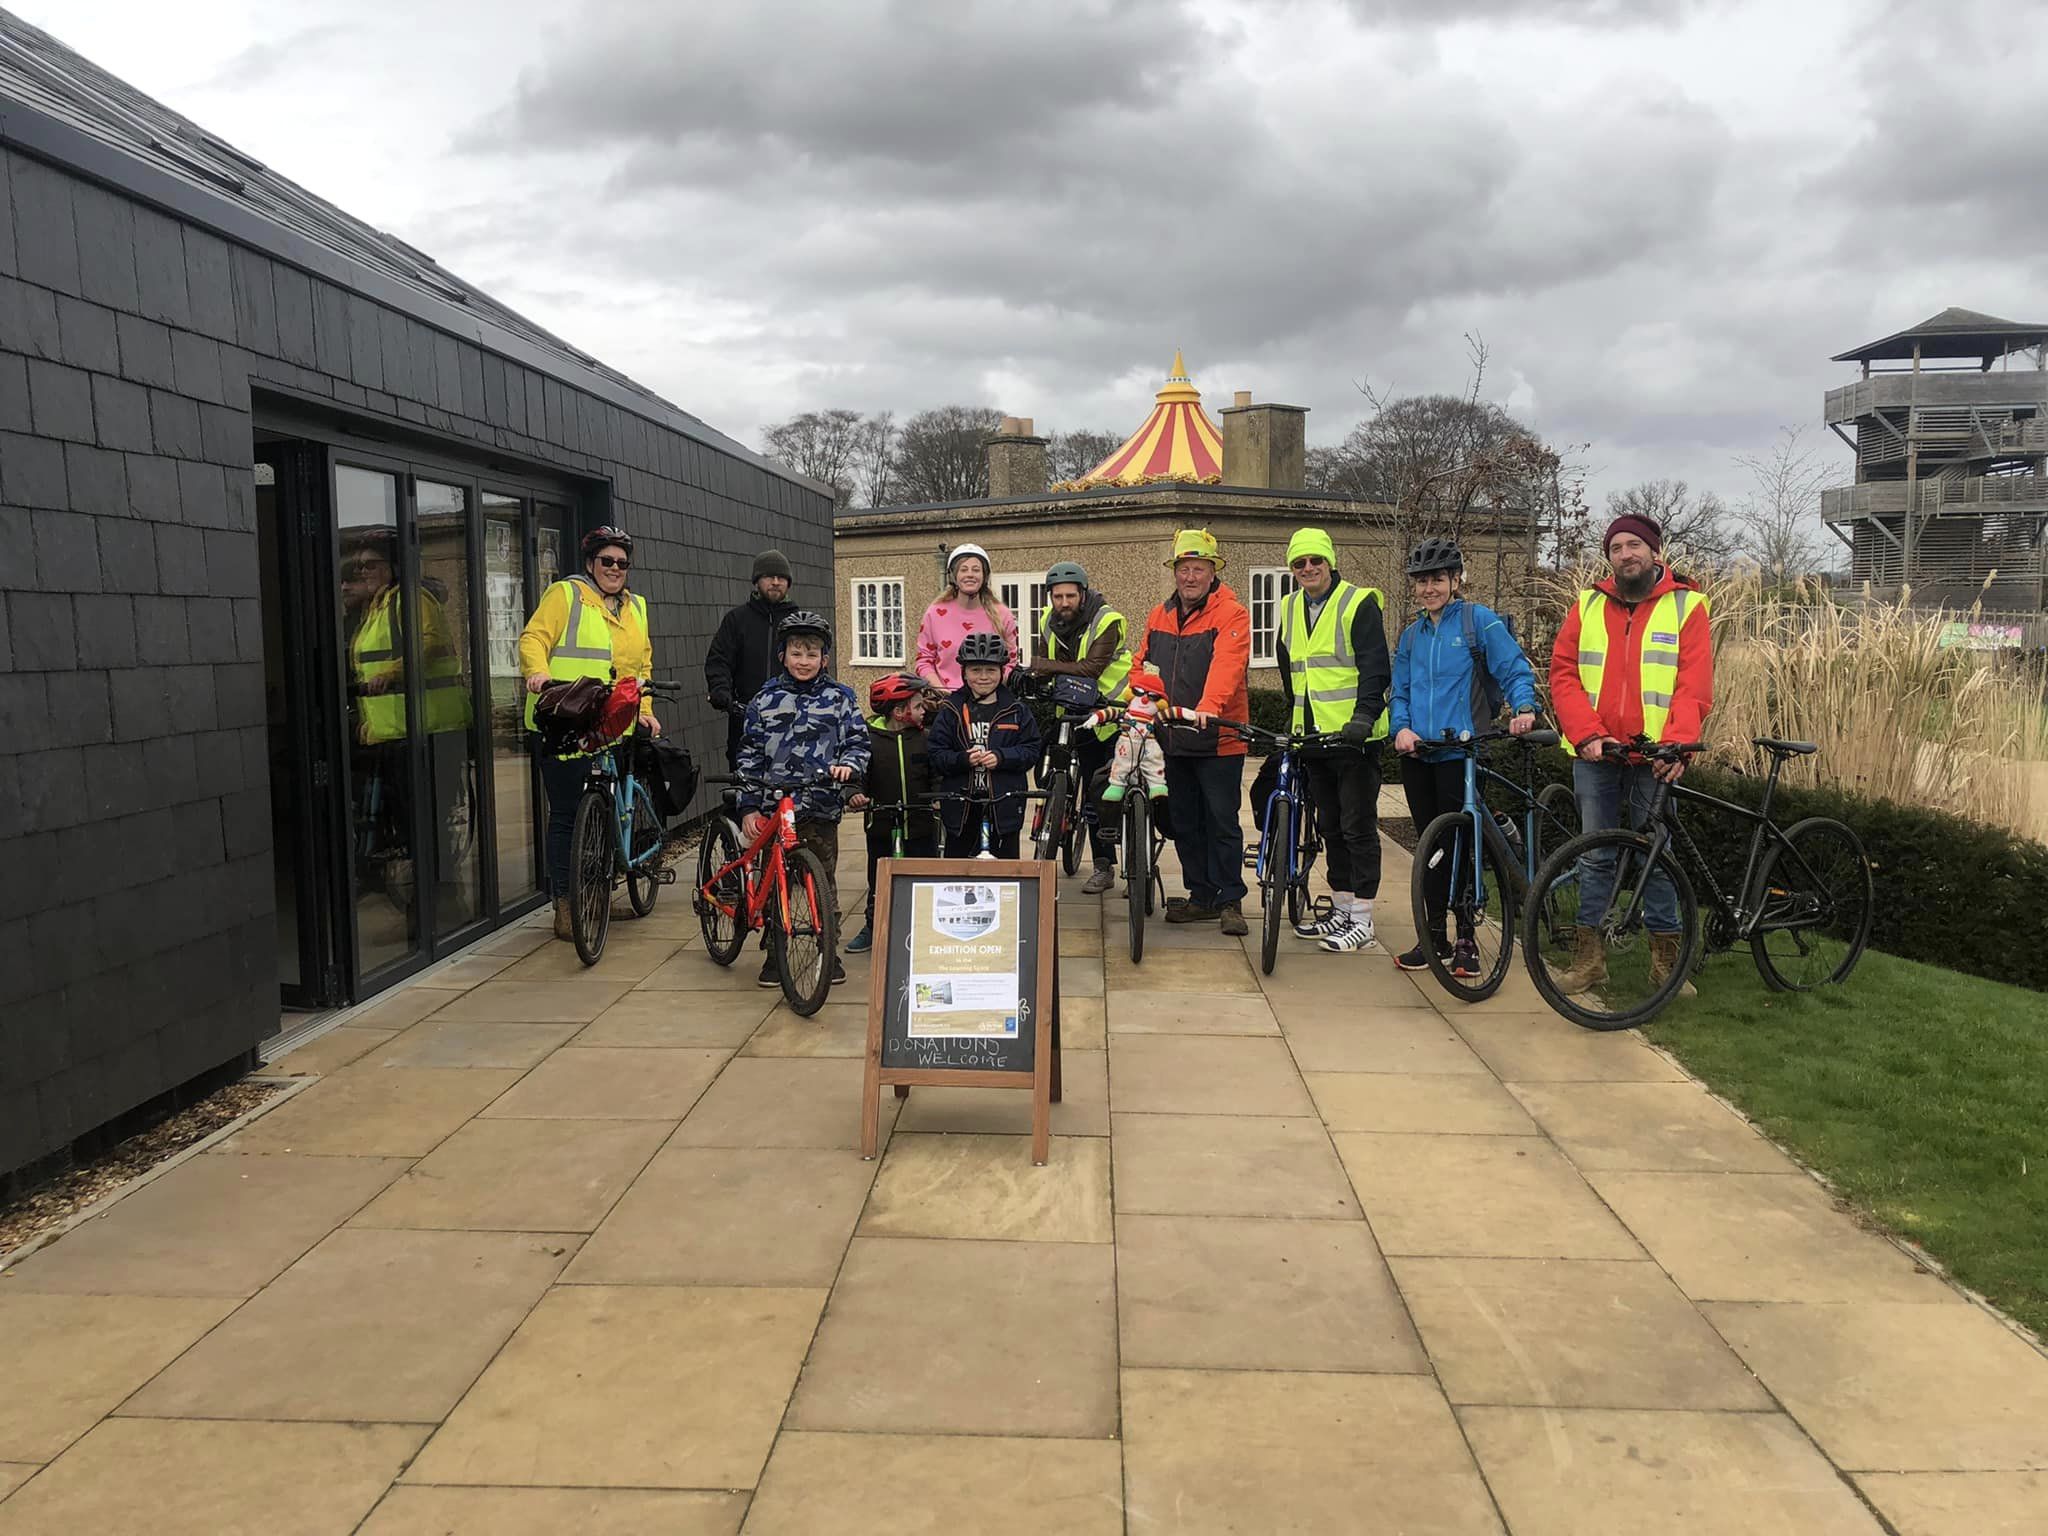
(1286,789)
(770,845)
(1669,831)
(618,785)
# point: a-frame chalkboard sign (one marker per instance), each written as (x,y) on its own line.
(964,991)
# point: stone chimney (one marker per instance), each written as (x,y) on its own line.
(1017,461)
(1265,445)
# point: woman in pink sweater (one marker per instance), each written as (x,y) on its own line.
(965,606)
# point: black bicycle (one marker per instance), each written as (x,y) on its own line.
(1803,904)
(1058,824)
(1142,837)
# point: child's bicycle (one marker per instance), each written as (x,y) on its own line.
(618,833)
(1287,841)
(1484,891)
(775,884)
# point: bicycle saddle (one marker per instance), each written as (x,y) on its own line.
(1786,748)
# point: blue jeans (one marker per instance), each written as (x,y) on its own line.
(1202,797)
(1600,788)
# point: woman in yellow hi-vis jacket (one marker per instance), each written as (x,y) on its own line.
(585,626)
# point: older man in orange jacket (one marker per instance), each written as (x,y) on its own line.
(1197,649)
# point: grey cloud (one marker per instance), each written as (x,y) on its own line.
(1604,13)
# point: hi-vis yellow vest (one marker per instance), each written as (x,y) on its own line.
(585,649)
(377,654)
(1659,678)
(1111,683)
(1325,671)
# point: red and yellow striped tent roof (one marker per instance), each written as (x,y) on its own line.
(1177,442)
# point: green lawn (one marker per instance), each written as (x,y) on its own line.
(1922,1093)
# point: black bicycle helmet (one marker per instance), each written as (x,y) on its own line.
(1435,554)
(605,538)
(983,647)
(803,622)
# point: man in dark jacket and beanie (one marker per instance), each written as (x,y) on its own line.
(742,654)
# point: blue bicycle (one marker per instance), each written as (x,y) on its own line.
(1482,892)
(617,836)
(1288,844)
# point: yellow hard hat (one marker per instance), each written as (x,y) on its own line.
(1195,544)
(1311,541)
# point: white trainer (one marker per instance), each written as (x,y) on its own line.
(1354,935)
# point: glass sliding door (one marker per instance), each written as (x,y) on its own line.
(510,777)
(447,701)
(380,722)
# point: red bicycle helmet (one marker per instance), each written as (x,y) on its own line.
(605,538)
(887,692)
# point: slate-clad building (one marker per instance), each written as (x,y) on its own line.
(276,494)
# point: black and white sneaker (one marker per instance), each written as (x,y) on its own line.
(1331,922)
(1355,934)
(1417,959)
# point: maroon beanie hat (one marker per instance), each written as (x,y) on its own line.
(1641,527)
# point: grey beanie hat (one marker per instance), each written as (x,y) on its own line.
(772,562)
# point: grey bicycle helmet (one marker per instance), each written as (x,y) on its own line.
(1435,554)
(1067,570)
(983,648)
(804,622)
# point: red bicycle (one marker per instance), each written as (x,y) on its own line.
(770,883)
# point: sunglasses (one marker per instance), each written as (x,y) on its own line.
(614,563)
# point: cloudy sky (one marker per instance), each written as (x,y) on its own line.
(1662,215)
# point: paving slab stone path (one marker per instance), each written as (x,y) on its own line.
(548,1250)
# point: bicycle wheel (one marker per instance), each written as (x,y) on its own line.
(1306,847)
(1814,891)
(1557,823)
(643,879)
(591,857)
(803,950)
(721,899)
(1137,869)
(1481,904)
(1070,842)
(1278,890)
(1620,989)
(1049,831)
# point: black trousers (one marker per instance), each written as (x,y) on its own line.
(920,841)
(1345,787)
(563,780)
(1432,789)
(1091,756)
(1202,797)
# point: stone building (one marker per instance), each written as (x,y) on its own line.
(1244,482)
(231,416)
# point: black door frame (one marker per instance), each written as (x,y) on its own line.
(324,775)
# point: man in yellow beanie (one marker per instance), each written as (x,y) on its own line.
(1331,647)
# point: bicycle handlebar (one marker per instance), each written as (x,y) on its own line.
(1468,741)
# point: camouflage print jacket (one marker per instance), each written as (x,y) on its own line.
(793,733)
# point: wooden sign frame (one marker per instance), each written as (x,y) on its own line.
(1043,1080)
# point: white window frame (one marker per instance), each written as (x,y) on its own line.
(1267,584)
(1024,594)
(871,620)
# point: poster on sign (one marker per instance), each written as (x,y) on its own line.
(964,954)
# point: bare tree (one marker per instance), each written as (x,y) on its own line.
(942,454)
(1073,454)
(820,444)
(1698,526)
(1779,516)
(873,458)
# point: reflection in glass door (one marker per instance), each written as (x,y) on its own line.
(506,604)
(445,701)
(379,714)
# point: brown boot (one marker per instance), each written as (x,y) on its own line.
(1589,963)
(565,927)
(1663,956)
(1233,920)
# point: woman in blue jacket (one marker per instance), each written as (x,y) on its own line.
(1437,686)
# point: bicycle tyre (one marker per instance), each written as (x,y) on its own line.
(1848,850)
(810,891)
(1052,820)
(1557,823)
(1070,843)
(643,880)
(1137,870)
(1556,867)
(592,865)
(1442,833)
(1278,890)
(725,935)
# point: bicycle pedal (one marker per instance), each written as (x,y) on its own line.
(666,877)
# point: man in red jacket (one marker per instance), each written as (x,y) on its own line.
(1196,648)
(1635,658)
